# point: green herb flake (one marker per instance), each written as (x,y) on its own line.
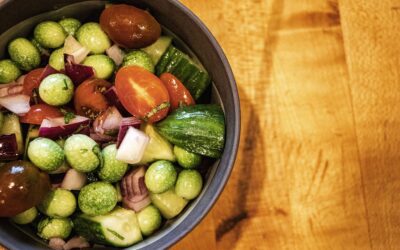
(116,234)
(65,85)
(68,116)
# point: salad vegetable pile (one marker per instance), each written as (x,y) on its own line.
(101,139)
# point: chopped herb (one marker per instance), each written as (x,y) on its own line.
(68,116)
(65,85)
(83,150)
(116,234)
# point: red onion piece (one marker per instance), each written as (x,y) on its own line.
(21,79)
(134,193)
(56,243)
(56,127)
(74,48)
(73,180)
(136,206)
(18,104)
(108,122)
(11,88)
(112,98)
(76,242)
(102,138)
(8,147)
(77,72)
(124,126)
(48,70)
(116,54)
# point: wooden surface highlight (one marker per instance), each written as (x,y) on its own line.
(318,164)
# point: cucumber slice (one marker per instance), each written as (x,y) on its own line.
(176,57)
(169,203)
(157,49)
(198,83)
(164,60)
(11,126)
(192,75)
(118,228)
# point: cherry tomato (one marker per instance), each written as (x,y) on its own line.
(89,100)
(142,93)
(22,186)
(39,112)
(32,81)
(129,26)
(178,93)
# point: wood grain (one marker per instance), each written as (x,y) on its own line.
(318,165)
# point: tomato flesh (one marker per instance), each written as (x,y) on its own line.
(39,112)
(142,93)
(89,100)
(32,81)
(178,93)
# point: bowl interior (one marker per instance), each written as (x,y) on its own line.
(191,36)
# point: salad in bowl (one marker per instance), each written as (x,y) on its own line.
(105,128)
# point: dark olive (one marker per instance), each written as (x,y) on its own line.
(22,186)
(129,26)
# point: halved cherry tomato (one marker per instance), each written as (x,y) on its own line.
(39,112)
(32,81)
(89,100)
(142,93)
(178,93)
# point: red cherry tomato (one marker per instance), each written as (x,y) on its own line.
(89,100)
(142,93)
(32,81)
(178,93)
(129,26)
(39,112)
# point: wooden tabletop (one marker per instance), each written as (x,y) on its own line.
(319,159)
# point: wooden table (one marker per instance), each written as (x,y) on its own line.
(319,161)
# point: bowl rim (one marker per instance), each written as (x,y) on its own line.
(223,171)
(216,187)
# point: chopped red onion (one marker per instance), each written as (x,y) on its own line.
(56,243)
(112,98)
(73,180)
(48,70)
(116,54)
(8,147)
(74,48)
(136,206)
(54,128)
(12,88)
(21,80)
(77,72)
(124,126)
(102,138)
(18,104)
(76,242)
(134,191)
(108,122)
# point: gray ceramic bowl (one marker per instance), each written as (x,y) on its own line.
(196,39)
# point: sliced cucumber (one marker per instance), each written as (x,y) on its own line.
(192,75)
(164,60)
(118,228)
(169,203)
(158,147)
(11,126)
(157,49)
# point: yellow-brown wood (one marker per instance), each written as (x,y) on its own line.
(319,161)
